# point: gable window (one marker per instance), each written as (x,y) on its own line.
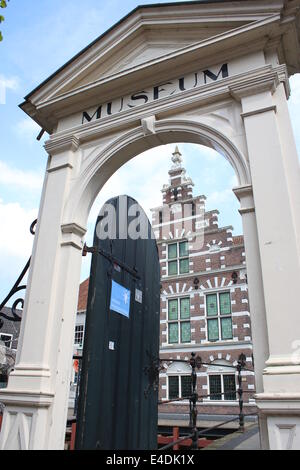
(6,339)
(178,258)
(222,387)
(219,316)
(179,325)
(79,332)
(179,386)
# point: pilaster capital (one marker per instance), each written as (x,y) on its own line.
(61,144)
(245,195)
(267,81)
(243,191)
(72,235)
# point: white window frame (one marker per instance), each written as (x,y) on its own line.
(179,385)
(5,343)
(218,316)
(178,321)
(221,374)
(80,345)
(178,258)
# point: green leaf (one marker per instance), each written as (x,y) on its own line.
(1,18)
(1,37)
(3,4)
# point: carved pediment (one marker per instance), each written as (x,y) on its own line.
(147,46)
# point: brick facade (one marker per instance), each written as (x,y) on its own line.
(216,265)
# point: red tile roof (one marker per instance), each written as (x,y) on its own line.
(83,294)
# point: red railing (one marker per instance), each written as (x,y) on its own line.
(161,440)
(164,440)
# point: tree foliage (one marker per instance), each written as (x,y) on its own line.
(3,4)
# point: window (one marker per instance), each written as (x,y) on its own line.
(79,331)
(179,325)
(180,386)
(222,387)
(178,258)
(6,339)
(219,319)
(3,381)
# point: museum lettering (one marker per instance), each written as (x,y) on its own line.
(163,90)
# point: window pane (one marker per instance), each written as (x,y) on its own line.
(172,268)
(173,333)
(186,386)
(79,330)
(229,387)
(172,251)
(225,303)
(173,387)
(173,309)
(184,308)
(215,389)
(183,249)
(226,326)
(213,330)
(211,304)
(185,332)
(6,339)
(184,266)
(3,381)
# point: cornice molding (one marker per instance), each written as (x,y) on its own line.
(243,191)
(73,228)
(27,398)
(224,89)
(61,144)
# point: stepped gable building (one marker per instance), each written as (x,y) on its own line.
(204,300)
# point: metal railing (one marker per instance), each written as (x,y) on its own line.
(194,398)
(17,287)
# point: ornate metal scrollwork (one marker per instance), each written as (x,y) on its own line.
(152,371)
(17,287)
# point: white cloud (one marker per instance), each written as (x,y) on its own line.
(27,129)
(14,177)
(6,83)
(219,197)
(15,238)
(15,244)
(11,83)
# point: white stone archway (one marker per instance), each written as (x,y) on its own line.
(236,104)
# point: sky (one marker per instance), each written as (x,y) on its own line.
(39,37)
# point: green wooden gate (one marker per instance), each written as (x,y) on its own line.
(117,406)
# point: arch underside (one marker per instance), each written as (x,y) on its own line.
(105,160)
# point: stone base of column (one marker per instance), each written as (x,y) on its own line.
(25,421)
(281,413)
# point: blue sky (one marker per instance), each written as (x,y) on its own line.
(39,37)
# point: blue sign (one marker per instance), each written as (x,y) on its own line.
(120,299)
